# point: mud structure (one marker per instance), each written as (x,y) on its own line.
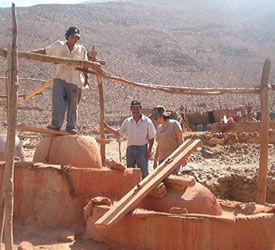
(78,151)
(54,196)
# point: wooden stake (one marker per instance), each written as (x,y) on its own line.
(92,56)
(261,183)
(8,183)
(2,206)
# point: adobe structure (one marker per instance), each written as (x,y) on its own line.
(106,202)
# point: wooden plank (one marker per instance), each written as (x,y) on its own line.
(261,182)
(134,196)
(46,131)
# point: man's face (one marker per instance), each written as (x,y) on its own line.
(72,40)
(136,111)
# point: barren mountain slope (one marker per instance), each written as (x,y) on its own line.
(184,43)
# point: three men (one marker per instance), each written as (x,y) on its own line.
(67,85)
(140,133)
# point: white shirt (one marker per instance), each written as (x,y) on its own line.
(137,133)
(68,73)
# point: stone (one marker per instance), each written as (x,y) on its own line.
(178,210)
(74,150)
(102,201)
(112,164)
(215,141)
(67,236)
(18,150)
(25,245)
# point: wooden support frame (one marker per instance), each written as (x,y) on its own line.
(7,199)
(53,59)
(134,196)
(261,182)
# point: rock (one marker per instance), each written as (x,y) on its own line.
(178,210)
(18,150)
(25,245)
(74,150)
(101,201)
(67,236)
(115,165)
(221,178)
(215,141)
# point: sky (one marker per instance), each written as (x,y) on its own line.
(24,3)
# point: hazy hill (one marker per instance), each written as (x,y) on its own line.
(186,43)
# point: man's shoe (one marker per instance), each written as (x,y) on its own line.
(53,127)
(72,131)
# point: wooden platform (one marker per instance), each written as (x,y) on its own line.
(52,132)
(134,196)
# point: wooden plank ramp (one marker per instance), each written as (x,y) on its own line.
(46,131)
(135,195)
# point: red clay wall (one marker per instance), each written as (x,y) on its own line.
(47,197)
(175,232)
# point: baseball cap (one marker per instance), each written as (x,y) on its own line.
(135,103)
(158,111)
(73,31)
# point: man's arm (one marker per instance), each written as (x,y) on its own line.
(149,149)
(39,51)
(156,157)
(111,130)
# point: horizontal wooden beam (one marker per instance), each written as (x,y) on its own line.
(46,131)
(56,60)
(185,90)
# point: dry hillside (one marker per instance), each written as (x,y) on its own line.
(186,43)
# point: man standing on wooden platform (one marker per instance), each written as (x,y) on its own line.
(140,133)
(67,85)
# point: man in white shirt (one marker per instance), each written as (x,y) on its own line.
(140,133)
(68,83)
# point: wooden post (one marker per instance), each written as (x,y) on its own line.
(261,183)
(92,55)
(2,206)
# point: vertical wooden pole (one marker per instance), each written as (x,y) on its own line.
(101,119)
(92,55)
(261,182)
(2,206)
(8,184)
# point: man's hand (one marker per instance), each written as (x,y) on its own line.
(155,164)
